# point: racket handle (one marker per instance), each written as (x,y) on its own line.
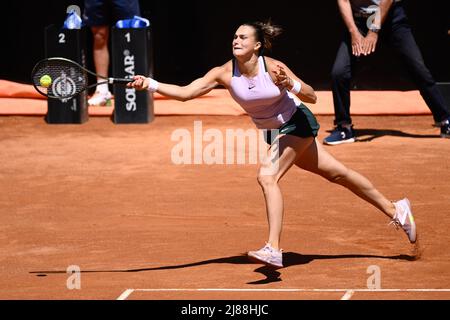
(119,80)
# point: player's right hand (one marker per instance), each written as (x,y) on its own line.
(139,83)
(369,43)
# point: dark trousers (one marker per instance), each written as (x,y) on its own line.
(397,32)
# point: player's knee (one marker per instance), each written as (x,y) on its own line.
(266,181)
(100,38)
(338,74)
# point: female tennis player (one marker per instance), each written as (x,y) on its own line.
(272,95)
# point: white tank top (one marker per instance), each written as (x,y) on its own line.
(267,105)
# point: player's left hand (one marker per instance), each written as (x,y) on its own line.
(282,78)
(369,43)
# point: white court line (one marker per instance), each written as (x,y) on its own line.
(348,295)
(127,292)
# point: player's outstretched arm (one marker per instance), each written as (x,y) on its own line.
(193,90)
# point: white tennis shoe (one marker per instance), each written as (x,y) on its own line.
(268,255)
(100,99)
(404,219)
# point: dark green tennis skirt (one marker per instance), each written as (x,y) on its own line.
(303,124)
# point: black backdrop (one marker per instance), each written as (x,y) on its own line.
(190,37)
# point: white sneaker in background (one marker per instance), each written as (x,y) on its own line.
(100,99)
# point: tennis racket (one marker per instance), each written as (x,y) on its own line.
(62,78)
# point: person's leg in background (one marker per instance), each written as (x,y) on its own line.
(111,12)
(341,76)
(402,40)
(97,15)
(118,10)
(101,61)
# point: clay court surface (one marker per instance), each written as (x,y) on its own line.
(108,198)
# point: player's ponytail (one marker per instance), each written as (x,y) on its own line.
(265,32)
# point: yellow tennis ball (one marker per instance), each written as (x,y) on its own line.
(45,81)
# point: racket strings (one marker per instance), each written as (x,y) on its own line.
(66,79)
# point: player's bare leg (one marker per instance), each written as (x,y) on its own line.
(290,147)
(317,160)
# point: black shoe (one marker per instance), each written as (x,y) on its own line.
(340,135)
(445,129)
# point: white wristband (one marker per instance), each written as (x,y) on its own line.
(296,88)
(153,85)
